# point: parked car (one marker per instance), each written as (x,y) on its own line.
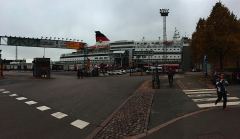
(117,72)
(123,71)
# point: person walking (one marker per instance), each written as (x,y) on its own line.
(78,73)
(221,90)
(170,76)
(81,73)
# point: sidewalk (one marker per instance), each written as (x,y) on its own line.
(212,124)
(175,116)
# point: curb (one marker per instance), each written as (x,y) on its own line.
(105,122)
(155,129)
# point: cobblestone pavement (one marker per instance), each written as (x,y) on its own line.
(132,117)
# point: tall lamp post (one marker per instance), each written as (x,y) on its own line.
(164,14)
(205,60)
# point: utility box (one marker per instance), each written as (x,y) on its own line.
(41,67)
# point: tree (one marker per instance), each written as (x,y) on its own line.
(198,41)
(217,36)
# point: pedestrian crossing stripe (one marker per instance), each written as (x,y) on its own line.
(213,99)
(202,92)
(205,98)
(199,90)
(207,105)
(203,95)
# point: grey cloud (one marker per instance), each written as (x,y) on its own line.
(121,19)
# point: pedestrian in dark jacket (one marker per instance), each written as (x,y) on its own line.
(78,73)
(221,90)
(170,73)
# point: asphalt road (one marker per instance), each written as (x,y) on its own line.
(90,100)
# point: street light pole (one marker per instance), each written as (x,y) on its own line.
(164,13)
(1,74)
(205,59)
(121,59)
(44,52)
(16,56)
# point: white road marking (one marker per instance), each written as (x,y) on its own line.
(213,99)
(21,98)
(197,90)
(13,95)
(59,115)
(202,95)
(6,92)
(207,97)
(43,108)
(201,92)
(31,102)
(80,124)
(219,104)
(2,90)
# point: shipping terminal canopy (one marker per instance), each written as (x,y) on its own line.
(45,43)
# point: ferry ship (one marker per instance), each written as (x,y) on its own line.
(126,53)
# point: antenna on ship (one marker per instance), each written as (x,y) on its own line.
(176,35)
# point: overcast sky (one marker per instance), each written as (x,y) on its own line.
(117,19)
